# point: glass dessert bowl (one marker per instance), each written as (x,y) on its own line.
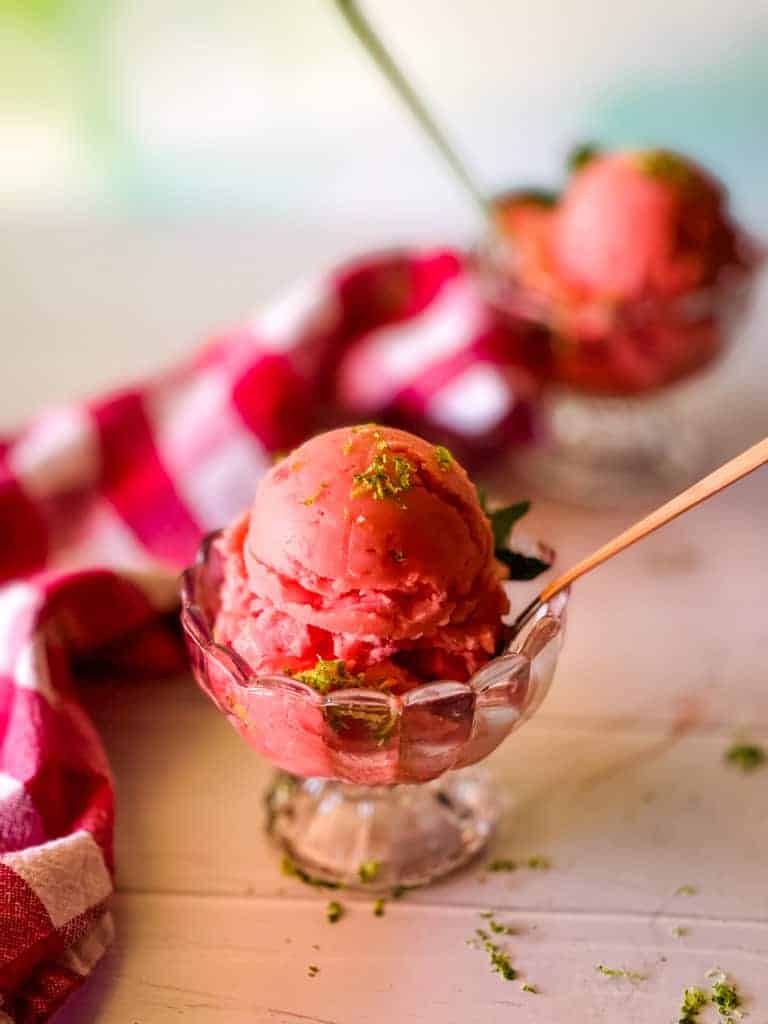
(598,446)
(374,789)
(638,278)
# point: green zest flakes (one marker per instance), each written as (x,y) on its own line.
(678,931)
(313,970)
(400,890)
(500,929)
(619,972)
(665,166)
(686,890)
(379,723)
(497,927)
(527,987)
(324,485)
(369,871)
(379,907)
(503,864)
(386,476)
(292,869)
(444,457)
(500,960)
(748,757)
(334,911)
(725,997)
(329,675)
(537,862)
(694,999)
(722,994)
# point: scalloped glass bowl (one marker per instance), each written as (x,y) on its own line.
(368,742)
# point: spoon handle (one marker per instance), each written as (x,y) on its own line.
(386,64)
(716,481)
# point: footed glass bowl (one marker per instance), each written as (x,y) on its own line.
(362,772)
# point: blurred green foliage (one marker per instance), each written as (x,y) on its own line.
(35,12)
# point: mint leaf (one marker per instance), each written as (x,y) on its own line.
(521,567)
(503,519)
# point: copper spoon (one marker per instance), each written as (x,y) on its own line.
(750,460)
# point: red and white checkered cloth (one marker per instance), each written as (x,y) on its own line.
(102,503)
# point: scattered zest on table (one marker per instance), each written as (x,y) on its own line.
(686,890)
(502,864)
(679,931)
(527,987)
(335,911)
(500,960)
(723,995)
(620,972)
(748,757)
(313,970)
(537,862)
(497,927)
(694,999)
(379,907)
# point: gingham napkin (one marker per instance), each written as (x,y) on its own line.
(100,505)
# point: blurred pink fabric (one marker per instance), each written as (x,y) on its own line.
(102,503)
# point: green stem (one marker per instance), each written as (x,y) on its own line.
(386,64)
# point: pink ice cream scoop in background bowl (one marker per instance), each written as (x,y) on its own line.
(353,627)
(641,276)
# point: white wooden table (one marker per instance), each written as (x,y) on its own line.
(620,781)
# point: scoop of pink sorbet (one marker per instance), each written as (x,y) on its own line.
(369,545)
(641,222)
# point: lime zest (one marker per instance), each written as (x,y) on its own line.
(368,871)
(747,757)
(334,911)
(444,457)
(329,675)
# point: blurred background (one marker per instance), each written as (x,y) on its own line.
(167,165)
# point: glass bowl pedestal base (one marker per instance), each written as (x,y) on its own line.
(402,835)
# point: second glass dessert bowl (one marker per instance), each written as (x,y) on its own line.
(635,278)
(639,440)
(375,789)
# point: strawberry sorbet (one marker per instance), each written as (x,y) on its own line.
(636,269)
(642,222)
(365,560)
